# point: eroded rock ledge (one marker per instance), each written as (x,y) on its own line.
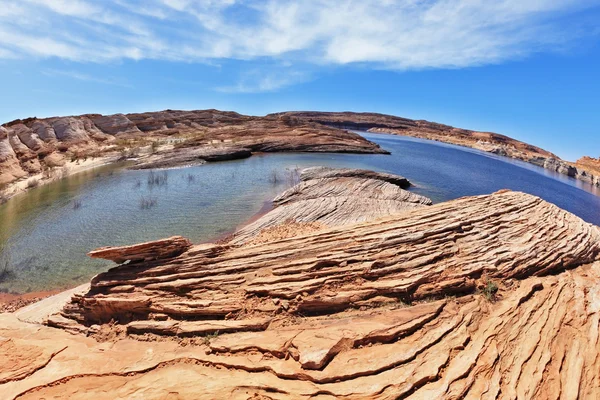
(327,197)
(148,251)
(393,308)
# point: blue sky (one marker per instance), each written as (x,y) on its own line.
(529,69)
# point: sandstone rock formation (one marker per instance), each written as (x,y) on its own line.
(589,169)
(37,145)
(189,156)
(334,197)
(31,146)
(148,251)
(485,141)
(352,312)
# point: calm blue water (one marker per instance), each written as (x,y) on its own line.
(48,235)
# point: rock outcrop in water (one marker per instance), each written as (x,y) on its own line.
(332,197)
(401,307)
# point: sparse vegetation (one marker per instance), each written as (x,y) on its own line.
(48,173)
(274,177)
(209,337)
(157,179)
(147,202)
(292,176)
(6,272)
(490,290)
(3,196)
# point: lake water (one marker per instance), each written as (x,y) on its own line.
(48,230)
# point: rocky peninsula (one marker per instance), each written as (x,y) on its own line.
(479,297)
(34,150)
(586,169)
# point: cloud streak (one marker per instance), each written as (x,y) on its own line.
(394,35)
(84,77)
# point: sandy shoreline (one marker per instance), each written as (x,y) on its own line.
(70,168)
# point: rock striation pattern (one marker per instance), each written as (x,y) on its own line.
(351,312)
(397,308)
(148,251)
(443,249)
(335,197)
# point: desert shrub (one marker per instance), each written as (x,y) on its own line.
(292,176)
(274,177)
(490,290)
(6,271)
(33,183)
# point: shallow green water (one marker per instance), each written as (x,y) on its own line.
(49,229)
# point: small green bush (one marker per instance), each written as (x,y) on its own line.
(490,290)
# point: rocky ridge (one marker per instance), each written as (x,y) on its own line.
(360,311)
(37,147)
(486,141)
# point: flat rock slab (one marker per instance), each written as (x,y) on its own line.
(148,251)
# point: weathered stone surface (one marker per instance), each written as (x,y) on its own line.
(325,172)
(181,157)
(69,129)
(148,251)
(221,135)
(115,124)
(438,250)
(10,169)
(356,312)
(334,197)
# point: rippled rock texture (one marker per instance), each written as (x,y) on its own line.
(484,297)
(327,197)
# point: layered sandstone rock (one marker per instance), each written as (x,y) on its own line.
(228,133)
(486,141)
(148,251)
(355,312)
(334,197)
(31,146)
(439,250)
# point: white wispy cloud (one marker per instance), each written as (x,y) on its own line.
(396,35)
(84,77)
(265,80)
